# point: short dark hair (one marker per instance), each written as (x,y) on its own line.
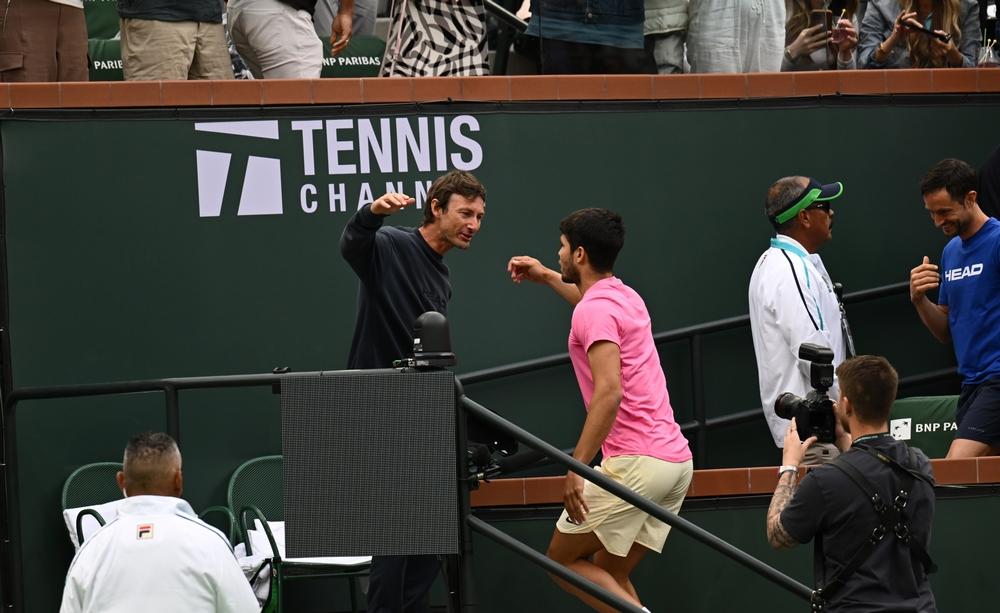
(600,232)
(870,383)
(150,457)
(782,194)
(953,175)
(459,182)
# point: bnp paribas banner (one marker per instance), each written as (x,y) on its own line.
(206,242)
(330,163)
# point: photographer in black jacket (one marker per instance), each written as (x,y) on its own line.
(870,510)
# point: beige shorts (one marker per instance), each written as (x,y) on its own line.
(617,523)
(174,50)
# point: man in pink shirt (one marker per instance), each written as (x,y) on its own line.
(629,417)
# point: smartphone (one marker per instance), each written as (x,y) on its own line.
(821,16)
(919,28)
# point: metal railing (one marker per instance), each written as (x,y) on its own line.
(701,424)
(170,388)
(704,537)
(11,554)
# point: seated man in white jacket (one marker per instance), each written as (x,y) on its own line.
(156,556)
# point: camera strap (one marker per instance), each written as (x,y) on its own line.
(845,328)
(891,518)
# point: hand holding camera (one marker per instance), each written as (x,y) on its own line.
(795,448)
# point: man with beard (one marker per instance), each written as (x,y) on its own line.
(629,416)
(403,275)
(967,312)
(792,300)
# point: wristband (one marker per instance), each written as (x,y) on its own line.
(787,468)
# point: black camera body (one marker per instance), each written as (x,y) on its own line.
(813,414)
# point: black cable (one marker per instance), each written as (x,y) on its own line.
(799,287)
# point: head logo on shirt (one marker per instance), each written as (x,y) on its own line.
(144,532)
(957,274)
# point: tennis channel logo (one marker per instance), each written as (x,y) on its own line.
(336,165)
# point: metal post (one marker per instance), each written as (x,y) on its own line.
(11,546)
(173,412)
(463,596)
(698,398)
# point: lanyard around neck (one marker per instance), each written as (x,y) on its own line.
(787,247)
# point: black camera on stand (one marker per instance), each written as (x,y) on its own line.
(813,414)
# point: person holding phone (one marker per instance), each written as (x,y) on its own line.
(820,38)
(920,34)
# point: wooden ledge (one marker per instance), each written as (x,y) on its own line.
(718,482)
(139,94)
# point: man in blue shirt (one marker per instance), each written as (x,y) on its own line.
(968,309)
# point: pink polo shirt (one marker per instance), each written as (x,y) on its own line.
(612,311)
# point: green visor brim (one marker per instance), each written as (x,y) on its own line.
(811,196)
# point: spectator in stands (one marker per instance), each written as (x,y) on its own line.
(890,38)
(173,39)
(811,44)
(736,35)
(363,23)
(599,38)
(277,40)
(156,556)
(665,28)
(436,38)
(792,300)
(967,312)
(843,504)
(629,415)
(43,40)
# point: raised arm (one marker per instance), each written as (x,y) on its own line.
(357,242)
(784,491)
(523,267)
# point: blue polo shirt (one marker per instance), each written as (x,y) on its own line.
(970,288)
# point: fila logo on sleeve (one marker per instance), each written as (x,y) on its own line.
(957,274)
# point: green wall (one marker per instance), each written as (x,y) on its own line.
(689,577)
(113,275)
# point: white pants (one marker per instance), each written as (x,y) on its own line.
(736,35)
(275,40)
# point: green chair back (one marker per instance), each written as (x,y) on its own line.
(361,58)
(927,422)
(102,18)
(91,484)
(257,483)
